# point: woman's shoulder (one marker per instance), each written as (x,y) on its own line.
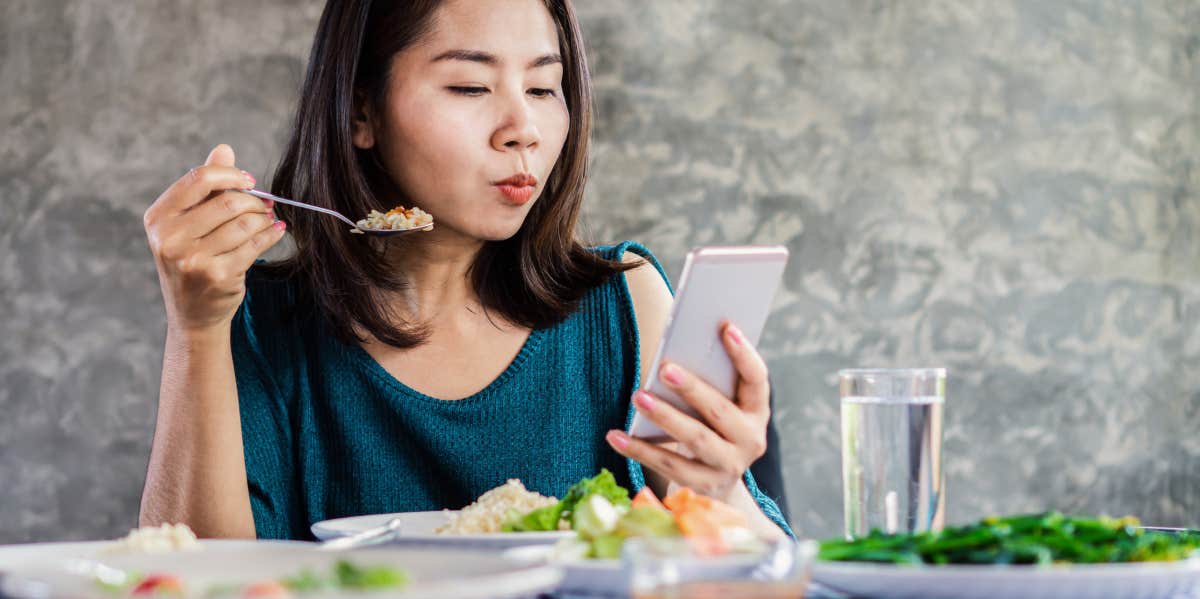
(647,273)
(630,252)
(645,289)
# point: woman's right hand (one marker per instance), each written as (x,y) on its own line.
(204,236)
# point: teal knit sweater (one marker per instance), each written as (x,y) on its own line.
(329,433)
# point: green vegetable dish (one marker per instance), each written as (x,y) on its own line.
(1037,539)
(592,506)
(603,516)
(547,518)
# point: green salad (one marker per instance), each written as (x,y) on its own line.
(603,485)
(603,516)
(1041,539)
(600,512)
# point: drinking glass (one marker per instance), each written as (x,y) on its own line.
(892,477)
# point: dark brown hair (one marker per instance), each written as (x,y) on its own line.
(535,278)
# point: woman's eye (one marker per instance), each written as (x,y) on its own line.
(541,92)
(468,90)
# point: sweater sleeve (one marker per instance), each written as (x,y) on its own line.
(636,475)
(267,434)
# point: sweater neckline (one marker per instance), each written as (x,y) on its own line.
(373,368)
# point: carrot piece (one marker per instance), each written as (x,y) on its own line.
(704,514)
(680,499)
(697,524)
(646,498)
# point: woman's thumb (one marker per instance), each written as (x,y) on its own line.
(222,155)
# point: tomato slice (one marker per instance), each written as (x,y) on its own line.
(158,584)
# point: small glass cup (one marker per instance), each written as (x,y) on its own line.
(892,478)
(676,568)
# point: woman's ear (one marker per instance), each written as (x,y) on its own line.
(362,123)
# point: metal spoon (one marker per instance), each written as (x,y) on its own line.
(381,232)
(371,536)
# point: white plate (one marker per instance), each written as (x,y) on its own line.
(1089,581)
(459,574)
(418,527)
(608,577)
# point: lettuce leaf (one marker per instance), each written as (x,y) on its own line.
(606,547)
(547,518)
(539,520)
(347,575)
(603,484)
(647,522)
(594,517)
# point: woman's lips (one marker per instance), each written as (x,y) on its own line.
(517,195)
(519,188)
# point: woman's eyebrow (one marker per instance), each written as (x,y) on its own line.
(546,60)
(489,59)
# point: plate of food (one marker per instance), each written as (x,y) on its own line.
(485,523)
(602,517)
(250,570)
(1028,556)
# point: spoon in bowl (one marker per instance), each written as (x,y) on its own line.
(380,232)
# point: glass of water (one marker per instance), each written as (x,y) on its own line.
(892,477)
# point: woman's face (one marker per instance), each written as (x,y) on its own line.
(472,111)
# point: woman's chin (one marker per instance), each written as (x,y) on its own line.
(499,234)
(493,231)
(498,229)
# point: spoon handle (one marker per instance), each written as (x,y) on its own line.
(266,196)
(371,536)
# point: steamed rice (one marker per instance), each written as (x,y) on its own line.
(489,511)
(396,218)
(158,539)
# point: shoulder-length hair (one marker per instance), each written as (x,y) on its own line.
(535,278)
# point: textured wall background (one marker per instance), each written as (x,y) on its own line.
(1010,189)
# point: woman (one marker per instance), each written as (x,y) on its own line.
(365,375)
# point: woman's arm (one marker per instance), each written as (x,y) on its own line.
(204,239)
(197,471)
(652,305)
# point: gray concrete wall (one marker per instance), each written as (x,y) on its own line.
(1009,189)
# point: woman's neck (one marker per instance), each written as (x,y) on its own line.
(438,270)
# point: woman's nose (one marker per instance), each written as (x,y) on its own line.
(518,131)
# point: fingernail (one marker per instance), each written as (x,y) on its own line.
(249,178)
(672,374)
(735,335)
(644,401)
(280,225)
(269,203)
(618,439)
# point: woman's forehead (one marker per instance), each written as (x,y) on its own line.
(511,30)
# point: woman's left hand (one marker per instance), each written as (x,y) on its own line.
(730,434)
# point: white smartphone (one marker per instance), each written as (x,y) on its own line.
(718,284)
